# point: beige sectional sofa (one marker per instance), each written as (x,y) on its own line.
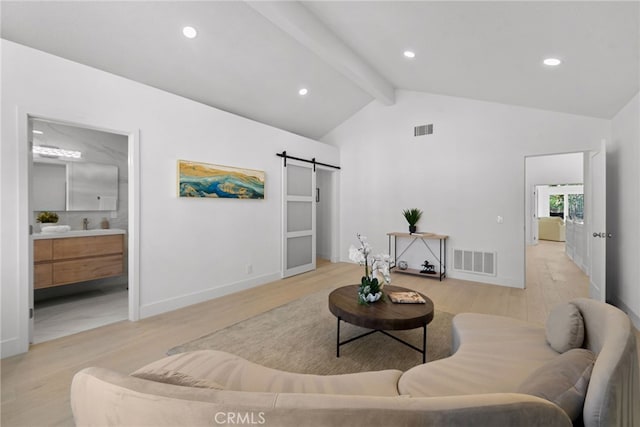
(503,372)
(552,228)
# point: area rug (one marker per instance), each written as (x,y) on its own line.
(301,337)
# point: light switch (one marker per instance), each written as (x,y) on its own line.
(500,219)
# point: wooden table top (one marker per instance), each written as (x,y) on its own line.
(423,235)
(384,314)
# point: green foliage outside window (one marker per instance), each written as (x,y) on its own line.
(576,206)
(556,203)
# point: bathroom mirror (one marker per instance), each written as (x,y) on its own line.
(49,187)
(80,186)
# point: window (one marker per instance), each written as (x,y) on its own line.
(556,205)
(576,206)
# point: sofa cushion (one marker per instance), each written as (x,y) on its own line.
(238,374)
(563,380)
(551,228)
(495,354)
(565,328)
(177,378)
(100,397)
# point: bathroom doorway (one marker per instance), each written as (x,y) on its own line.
(82,176)
(326,215)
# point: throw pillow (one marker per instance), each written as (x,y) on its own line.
(177,378)
(563,380)
(565,328)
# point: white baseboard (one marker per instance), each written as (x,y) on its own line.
(491,280)
(577,260)
(635,319)
(593,290)
(10,347)
(508,282)
(171,304)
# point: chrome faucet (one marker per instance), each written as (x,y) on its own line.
(85,223)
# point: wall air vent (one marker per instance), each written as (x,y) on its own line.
(475,262)
(423,130)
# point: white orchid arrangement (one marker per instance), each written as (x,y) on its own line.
(370,288)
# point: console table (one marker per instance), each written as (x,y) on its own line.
(441,258)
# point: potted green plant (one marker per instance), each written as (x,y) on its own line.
(46,217)
(412,216)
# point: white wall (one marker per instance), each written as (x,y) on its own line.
(623,205)
(190,249)
(463,176)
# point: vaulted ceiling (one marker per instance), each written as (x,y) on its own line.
(251,58)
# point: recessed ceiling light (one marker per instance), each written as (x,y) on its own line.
(189,32)
(303,91)
(552,62)
(37,132)
(409,54)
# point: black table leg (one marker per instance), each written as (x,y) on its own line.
(424,344)
(424,340)
(338,339)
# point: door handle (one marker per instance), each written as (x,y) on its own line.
(602,235)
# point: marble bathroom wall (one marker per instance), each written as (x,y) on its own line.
(96,147)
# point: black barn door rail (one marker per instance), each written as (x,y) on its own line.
(313,161)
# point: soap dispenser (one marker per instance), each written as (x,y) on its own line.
(104,224)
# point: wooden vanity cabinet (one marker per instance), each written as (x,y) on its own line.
(68,260)
(42,256)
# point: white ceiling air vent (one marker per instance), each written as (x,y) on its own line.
(423,130)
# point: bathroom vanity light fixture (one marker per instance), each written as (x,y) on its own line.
(50,151)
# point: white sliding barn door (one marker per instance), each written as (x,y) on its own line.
(298,217)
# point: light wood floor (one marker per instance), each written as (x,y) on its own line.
(35,386)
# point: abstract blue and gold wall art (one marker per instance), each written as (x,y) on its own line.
(206,180)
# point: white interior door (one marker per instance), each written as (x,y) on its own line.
(298,218)
(534,217)
(31,226)
(598,230)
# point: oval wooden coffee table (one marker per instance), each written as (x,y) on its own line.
(380,316)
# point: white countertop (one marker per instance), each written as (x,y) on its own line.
(78,233)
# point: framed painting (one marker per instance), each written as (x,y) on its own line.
(214,181)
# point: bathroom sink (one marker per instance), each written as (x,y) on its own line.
(96,232)
(79,233)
